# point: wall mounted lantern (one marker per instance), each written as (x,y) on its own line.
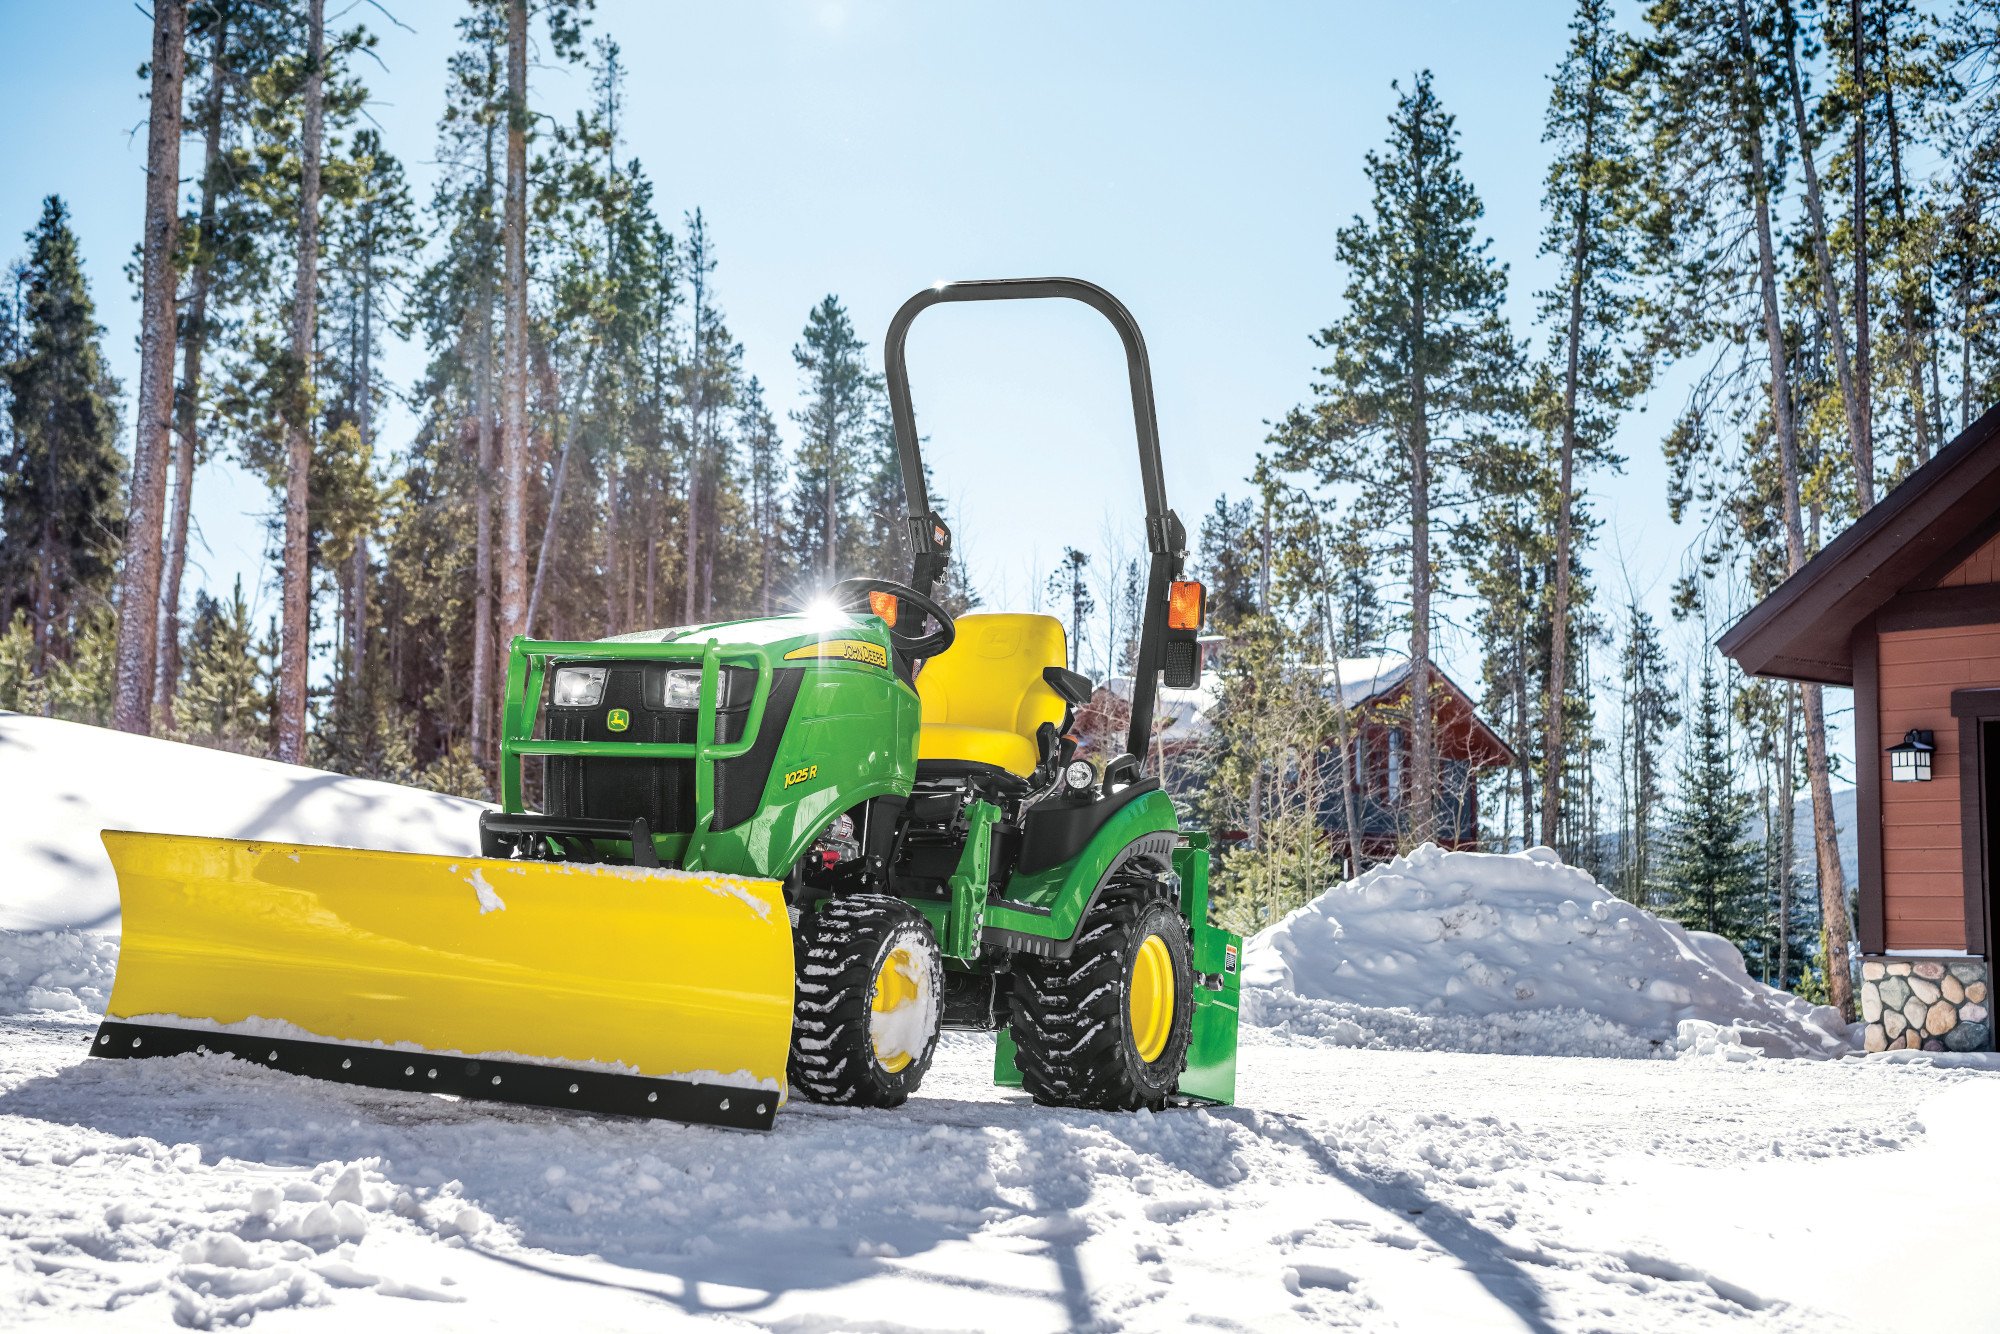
(1910,758)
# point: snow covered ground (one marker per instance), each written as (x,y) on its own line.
(1358,1185)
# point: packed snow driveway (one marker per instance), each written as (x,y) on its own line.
(1361,1188)
(1358,1184)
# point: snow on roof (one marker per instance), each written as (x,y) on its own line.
(1362,679)
(1182,715)
(1178,715)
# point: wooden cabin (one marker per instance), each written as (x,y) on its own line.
(1376,692)
(1904,608)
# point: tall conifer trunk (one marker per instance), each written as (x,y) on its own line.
(139,591)
(294,643)
(1913,362)
(1420,782)
(1832,886)
(514,448)
(168,673)
(696,444)
(1864,372)
(357,610)
(1578,277)
(482,492)
(1861,446)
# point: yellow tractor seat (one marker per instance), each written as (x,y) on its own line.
(985,697)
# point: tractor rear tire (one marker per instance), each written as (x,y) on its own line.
(870,1002)
(1099,1029)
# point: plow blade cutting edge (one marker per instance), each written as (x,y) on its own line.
(601,988)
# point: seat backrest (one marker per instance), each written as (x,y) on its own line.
(991,676)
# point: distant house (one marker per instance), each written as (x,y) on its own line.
(1904,607)
(1376,692)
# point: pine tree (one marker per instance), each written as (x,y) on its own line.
(564,25)
(372,242)
(454,308)
(1648,711)
(1591,202)
(1069,589)
(1708,873)
(230,41)
(1854,404)
(1230,554)
(61,479)
(1261,777)
(139,581)
(295,640)
(1510,550)
(1423,365)
(1707,107)
(226,692)
(710,374)
(1322,574)
(840,396)
(764,456)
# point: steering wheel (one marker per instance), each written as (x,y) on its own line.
(852,595)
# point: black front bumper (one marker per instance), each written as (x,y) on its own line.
(570,838)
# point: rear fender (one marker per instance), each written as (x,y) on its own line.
(1039,913)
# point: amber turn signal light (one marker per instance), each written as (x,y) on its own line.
(883,605)
(1186,603)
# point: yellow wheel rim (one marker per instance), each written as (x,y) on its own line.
(1152,1003)
(895,987)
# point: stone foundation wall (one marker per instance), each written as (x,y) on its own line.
(1927,1004)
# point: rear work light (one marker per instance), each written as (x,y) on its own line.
(1180,655)
(1187,605)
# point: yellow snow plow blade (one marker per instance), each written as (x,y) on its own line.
(604,988)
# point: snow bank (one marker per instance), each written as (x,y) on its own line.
(1515,953)
(61,784)
(55,970)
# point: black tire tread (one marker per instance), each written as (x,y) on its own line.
(832,1058)
(1072,1042)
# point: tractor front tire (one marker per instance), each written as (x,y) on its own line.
(1108,1027)
(870,1002)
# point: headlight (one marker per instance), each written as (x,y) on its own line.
(680,688)
(578,687)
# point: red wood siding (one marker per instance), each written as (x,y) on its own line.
(1981,567)
(1923,884)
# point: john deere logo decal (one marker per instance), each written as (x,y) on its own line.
(618,720)
(849,650)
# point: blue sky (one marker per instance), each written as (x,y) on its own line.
(1195,159)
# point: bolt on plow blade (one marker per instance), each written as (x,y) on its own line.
(599,988)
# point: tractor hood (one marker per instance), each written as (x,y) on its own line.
(801,628)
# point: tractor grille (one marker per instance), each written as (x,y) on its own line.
(661,792)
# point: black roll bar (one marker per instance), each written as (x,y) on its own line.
(1166,539)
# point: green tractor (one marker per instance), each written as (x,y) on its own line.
(884,828)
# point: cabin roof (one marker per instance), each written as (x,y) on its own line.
(1913,537)
(1183,714)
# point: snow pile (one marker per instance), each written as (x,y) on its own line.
(62,784)
(1515,953)
(55,970)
